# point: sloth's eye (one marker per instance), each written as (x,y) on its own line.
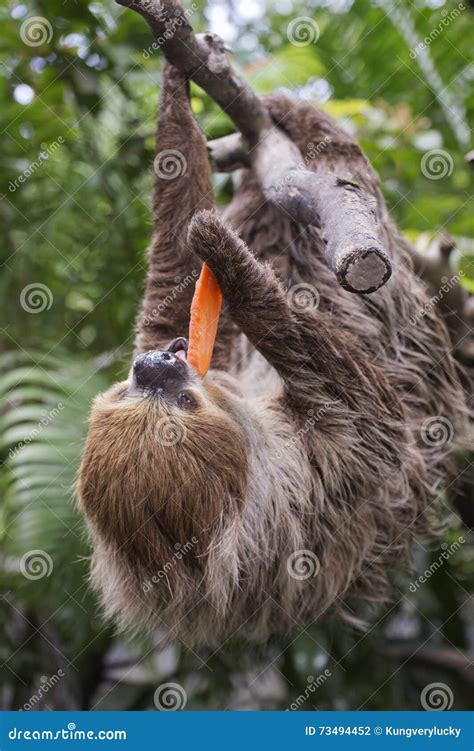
(186,400)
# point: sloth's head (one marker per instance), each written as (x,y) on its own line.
(165,460)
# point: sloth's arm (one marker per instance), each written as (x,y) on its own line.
(182,186)
(308,349)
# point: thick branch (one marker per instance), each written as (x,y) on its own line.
(339,207)
(228,153)
(343,211)
(202,57)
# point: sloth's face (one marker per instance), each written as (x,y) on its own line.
(164,461)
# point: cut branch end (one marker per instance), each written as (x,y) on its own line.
(363,270)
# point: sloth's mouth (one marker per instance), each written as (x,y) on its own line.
(179,347)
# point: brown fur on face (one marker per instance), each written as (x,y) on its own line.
(307,468)
(155,475)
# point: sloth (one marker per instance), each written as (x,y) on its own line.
(288,483)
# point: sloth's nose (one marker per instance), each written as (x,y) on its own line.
(156,369)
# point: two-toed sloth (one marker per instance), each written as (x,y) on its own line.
(293,478)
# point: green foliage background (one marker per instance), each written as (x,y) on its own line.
(80,223)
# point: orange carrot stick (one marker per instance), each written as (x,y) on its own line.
(205,309)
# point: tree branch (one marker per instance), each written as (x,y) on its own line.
(344,213)
(228,153)
(443,658)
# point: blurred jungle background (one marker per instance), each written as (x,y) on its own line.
(77,115)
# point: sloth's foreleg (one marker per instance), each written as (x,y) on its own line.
(182,187)
(314,357)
